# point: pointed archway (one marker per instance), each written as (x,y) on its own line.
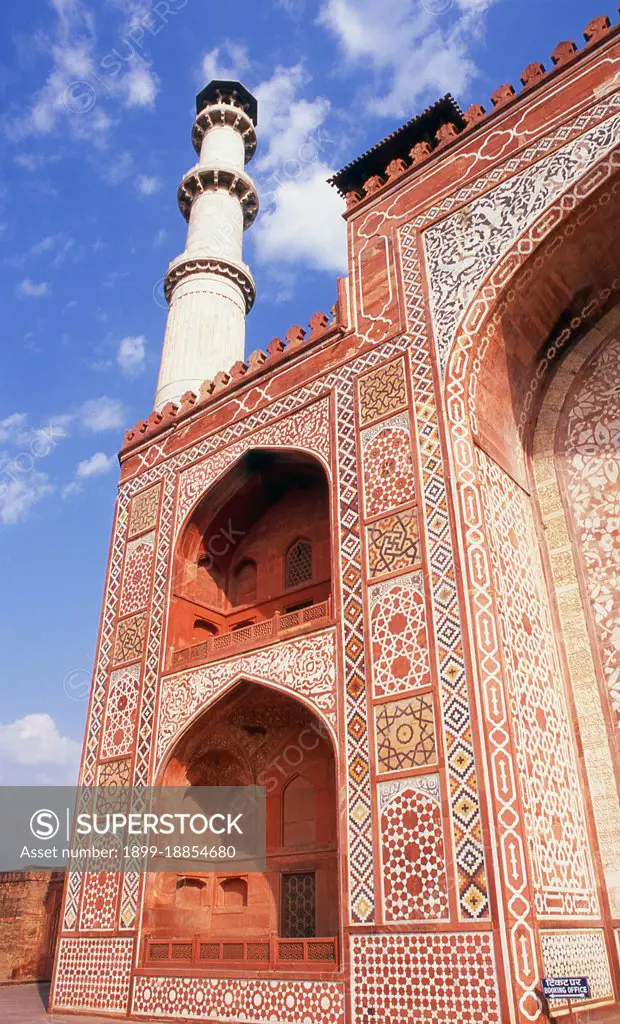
(286,916)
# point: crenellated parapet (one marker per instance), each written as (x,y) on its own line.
(322,327)
(421,138)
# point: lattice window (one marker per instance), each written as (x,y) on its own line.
(299,906)
(298,564)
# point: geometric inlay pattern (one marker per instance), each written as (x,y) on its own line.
(114,773)
(381,392)
(415,887)
(93,975)
(575,954)
(144,511)
(130,634)
(99,901)
(137,574)
(424,979)
(405,734)
(551,792)
(388,466)
(458,963)
(237,999)
(465,818)
(121,712)
(393,543)
(399,642)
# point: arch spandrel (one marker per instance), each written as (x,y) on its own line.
(489,238)
(304,669)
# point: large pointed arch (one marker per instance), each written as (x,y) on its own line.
(489,431)
(254,734)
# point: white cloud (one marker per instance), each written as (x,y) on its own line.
(160,237)
(131,355)
(289,122)
(13,428)
(300,222)
(32,289)
(60,245)
(44,245)
(34,751)
(118,169)
(414,51)
(305,225)
(70,489)
(20,491)
(97,465)
(148,184)
(139,85)
(36,161)
(98,414)
(228,61)
(81,85)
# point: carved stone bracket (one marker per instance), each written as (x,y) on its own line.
(215,265)
(212,116)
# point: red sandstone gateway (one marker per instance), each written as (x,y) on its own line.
(369,569)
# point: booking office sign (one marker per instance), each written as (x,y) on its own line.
(118,828)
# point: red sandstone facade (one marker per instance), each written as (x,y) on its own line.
(412,616)
(30,903)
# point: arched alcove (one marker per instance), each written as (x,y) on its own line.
(576,471)
(257,546)
(256,735)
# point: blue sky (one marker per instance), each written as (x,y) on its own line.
(97,107)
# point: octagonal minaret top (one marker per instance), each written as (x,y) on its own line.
(209,288)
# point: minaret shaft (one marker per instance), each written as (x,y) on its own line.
(209,288)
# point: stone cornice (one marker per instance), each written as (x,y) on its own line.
(188,266)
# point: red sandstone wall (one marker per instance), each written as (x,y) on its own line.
(29,902)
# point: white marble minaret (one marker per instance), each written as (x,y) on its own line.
(209,288)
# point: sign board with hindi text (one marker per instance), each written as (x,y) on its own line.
(566,988)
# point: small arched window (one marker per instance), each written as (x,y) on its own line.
(298,564)
(202,627)
(234,892)
(190,892)
(244,582)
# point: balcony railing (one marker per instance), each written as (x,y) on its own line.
(252,635)
(271,953)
